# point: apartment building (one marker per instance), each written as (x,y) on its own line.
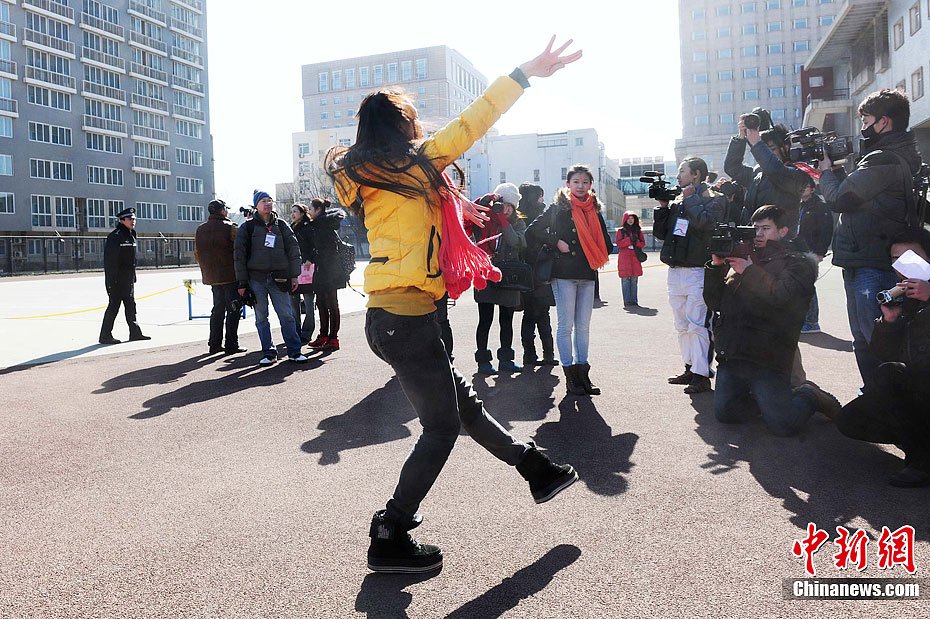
(103,106)
(872,45)
(738,55)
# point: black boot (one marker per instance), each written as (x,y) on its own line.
(505,364)
(572,383)
(529,354)
(392,548)
(583,370)
(683,378)
(483,357)
(546,478)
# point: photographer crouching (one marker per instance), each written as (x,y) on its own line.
(894,410)
(761,306)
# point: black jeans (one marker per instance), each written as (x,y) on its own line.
(893,411)
(486,317)
(443,400)
(536,318)
(328,304)
(445,327)
(221,312)
(120,294)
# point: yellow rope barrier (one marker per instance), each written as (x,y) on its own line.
(91,309)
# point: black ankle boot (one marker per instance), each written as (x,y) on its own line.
(572,383)
(392,548)
(589,388)
(546,478)
(529,354)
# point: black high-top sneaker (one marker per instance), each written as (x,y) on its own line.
(546,478)
(682,379)
(393,550)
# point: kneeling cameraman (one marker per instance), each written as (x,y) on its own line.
(761,308)
(895,410)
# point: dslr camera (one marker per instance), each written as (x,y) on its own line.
(236,303)
(658,187)
(758,119)
(809,145)
(730,240)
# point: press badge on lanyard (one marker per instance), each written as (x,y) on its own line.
(270,238)
(681,227)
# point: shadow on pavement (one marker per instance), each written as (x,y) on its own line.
(221,386)
(157,375)
(525,583)
(820,475)
(58,356)
(522,396)
(380,417)
(383,595)
(583,439)
(827,341)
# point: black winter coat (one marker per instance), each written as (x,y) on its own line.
(762,310)
(328,274)
(703,210)
(119,258)
(770,182)
(557,225)
(907,339)
(816,225)
(251,255)
(871,200)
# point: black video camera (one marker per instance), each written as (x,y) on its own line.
(493,201)
(758,119)
(730,240)
(658,188)
(810,145)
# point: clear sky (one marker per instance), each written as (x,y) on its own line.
(627,85)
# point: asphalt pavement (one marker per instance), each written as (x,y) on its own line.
(157,481)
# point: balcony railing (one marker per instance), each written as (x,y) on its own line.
(103,91)
(148,72)
(196,5)
(50,6)
(8,67)
(138,38)
(149,164)
(103,25)
(183,54)
(48,77)
(159,135)
(146,11)
(192,30)
(189,112)
(9,105)
(8,28)
(150,103)
(103,58)
(103,124)
(54,43)
(187,84)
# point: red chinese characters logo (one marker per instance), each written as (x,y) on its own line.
(894,548)
(809,546)
(852,549)
(897,548)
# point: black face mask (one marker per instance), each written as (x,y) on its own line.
(869,132)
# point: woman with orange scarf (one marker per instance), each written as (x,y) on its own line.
(574,228)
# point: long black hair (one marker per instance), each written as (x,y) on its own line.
(387,150)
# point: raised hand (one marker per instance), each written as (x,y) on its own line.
(549,61)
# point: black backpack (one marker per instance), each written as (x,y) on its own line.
(915,189)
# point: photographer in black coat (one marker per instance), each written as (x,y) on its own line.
(761,307)
(895,410)
(815,228)
(119,265)
(773,180)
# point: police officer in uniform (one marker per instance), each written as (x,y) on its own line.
(119,260)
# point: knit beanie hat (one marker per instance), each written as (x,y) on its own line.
(257,196)
(509,193)
(216,206)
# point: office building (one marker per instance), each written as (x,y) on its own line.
(103,106)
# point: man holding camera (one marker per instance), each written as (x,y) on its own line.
(873,203)
(685,225)
(894,410)
(214,243)
(267,260)
(762,305)
(773,181)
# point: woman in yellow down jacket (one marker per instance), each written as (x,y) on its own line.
(396,177)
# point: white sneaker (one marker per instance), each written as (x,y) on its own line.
(267,360)
(298,358)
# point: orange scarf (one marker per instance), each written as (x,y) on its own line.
(588,225)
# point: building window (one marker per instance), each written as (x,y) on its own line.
(799,23)
(421,68)
(899,33)
(151,181)
(186,156)
(536,175)
(748,7)
(190,213)
(52,170)
(579,141)
(778,114)
(98,175)
(64,212)
(189,185)
(503,177)
(750,51)
(7,203)
(350,80)
(378,75)
(152,210)
(103,143)
(723,33)
(48,98)
(391,72)
(700,78)
(698,35)
(406,70)
(802,46)
(798,2)
(825,1)
(42,211)
(917,84)
(772,5)
(723,10)
(776,48)
(776,70)
(725,53)
(815,81)
(96,213)
(50,134)
(6,165)
(324,82)
(776,93)
(725,76)
(826,20)
(749,29)
(773,26)
(726,97)
(699,56)
(701,120)
(727,119)
(363,77)
(337,80)
(6,127)
(699,99)
(697,13)
(915,17)
(751,95)
(189,129)
(797,68)
(564,174)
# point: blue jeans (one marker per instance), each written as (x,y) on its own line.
(443,400)
(309,323)
(263,285)
(863,308)
(574,302)
(745,389)
(629,286)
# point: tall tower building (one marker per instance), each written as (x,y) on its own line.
(736,56)
(103,106)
